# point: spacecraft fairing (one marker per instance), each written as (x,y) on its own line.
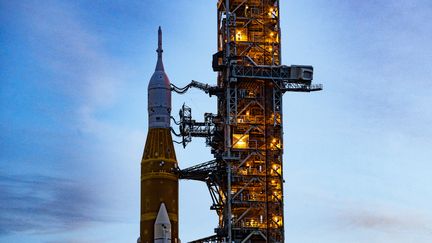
(159,93)
(159,179)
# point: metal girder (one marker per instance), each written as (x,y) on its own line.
(200,172)
(190,128)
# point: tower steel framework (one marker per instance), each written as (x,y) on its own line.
(245,179)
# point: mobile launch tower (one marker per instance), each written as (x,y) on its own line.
(245,178)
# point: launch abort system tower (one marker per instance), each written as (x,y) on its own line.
(246,135)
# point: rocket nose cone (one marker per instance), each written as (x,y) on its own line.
(162,216)
(159,79)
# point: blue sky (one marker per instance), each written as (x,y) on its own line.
(73,122)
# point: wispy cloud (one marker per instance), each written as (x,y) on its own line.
(37,204)
(74,53)
(82,67)
(391,221)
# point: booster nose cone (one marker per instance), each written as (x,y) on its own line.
(162,226)
(159,93)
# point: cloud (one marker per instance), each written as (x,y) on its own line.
(38,204)
(73,71)
(75,55)
(81,71)
(390,221)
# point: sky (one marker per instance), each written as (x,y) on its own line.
(73,117)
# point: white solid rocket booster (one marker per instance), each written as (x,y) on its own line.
(162,226)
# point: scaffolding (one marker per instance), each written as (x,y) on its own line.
(245,179)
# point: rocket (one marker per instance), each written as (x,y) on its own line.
(159,180)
